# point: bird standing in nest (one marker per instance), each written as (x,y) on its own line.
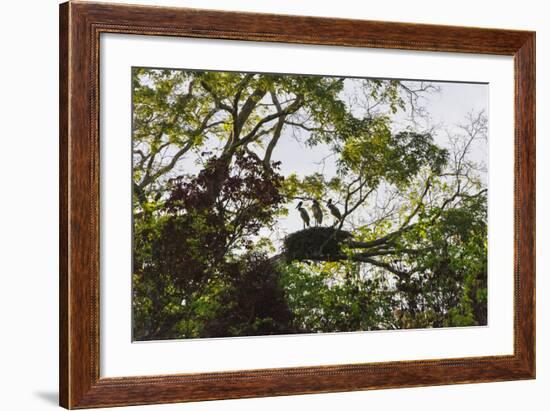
(303,214)
(334,210)
(317,212)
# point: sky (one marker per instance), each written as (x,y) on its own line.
(446,108)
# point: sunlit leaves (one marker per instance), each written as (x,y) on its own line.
(395,158)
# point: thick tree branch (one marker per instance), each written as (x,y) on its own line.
(246,110)
(215,97)
(253,134)
(276,133)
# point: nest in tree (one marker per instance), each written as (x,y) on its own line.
(322,243)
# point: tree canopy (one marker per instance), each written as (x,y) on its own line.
(409,249)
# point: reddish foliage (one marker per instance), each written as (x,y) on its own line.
(213,214)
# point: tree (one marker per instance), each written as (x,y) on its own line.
(206,185)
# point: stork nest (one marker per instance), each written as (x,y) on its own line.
(322,243)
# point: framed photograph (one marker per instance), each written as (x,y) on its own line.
(258,205)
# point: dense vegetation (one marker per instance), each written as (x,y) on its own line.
(410,248)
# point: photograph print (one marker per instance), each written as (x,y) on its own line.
(272,204)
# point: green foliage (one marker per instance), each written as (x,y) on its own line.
(451,273)
(202,264)
(397,158)
(330,297)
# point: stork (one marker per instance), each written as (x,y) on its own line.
(303,214)
(317,212)
(334,210)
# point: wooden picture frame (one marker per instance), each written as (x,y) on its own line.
(80,27)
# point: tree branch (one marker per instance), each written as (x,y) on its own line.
(276,133)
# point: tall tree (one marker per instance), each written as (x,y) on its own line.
(407,250)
